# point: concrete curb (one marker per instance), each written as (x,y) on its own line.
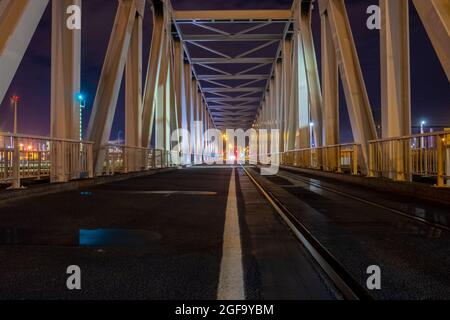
(412,189)
(45,189)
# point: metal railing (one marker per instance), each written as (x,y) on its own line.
(125,159)
(25,157)
(336,158)
(401,158)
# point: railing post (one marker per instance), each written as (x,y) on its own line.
(398,160)
(108,163)
(39,164)
(16,164)
(153,159)
(126,159)
(440,161)
(90,160)
(6,163)
(355,160)
(371,171)
(337,159)
(447,160)
(113,167)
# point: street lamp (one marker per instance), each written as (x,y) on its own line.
(422,124)
(422,131)
(15,100)
(311,134)
(82,101)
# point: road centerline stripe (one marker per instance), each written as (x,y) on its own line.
(231,281)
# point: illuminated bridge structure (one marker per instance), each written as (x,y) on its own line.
(196,81)
(147,219)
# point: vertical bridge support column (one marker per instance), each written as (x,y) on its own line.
(153,73)
(105,103)
(360,112)
(395,79)
(288,105)
(65,86)
(180,93)
(300,93)
(133,94)
(330,85)
(187,111)
(312,73)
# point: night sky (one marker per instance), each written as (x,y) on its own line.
(430,87)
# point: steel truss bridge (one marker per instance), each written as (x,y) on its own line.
(194,74)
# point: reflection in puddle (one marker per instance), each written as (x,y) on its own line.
(117,237)
(83,237)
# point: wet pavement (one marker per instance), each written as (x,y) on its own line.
(155,237)
(414,257)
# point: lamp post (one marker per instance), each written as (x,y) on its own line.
(311,134)
(15,100)
(422,131)
(82,101)
(422,124)
(16,152)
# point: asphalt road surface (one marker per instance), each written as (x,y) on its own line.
(196,233)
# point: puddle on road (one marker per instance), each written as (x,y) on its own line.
(81,238)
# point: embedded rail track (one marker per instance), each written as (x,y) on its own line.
(336,272)
(288,174)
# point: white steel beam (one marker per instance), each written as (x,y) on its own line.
(231,38)
(330,86)
(288,137)
(312,72)
(162,109)
(225,90)
(234,77)
(231,61)
(179,82)
(233,15)
(216,52)
(435,16)
(65,84)
(302,94)
(153,72)
(18,22)
(105,102)
(258,48)
(359,110)
(133,86)
(214,69)
(395,69)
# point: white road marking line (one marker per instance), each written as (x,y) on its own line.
(193,193)
(231,281)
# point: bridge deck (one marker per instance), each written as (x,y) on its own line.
(162,237)
(139,239)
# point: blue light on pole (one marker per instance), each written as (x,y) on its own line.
(422,124)
(82,100)
(311,135)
